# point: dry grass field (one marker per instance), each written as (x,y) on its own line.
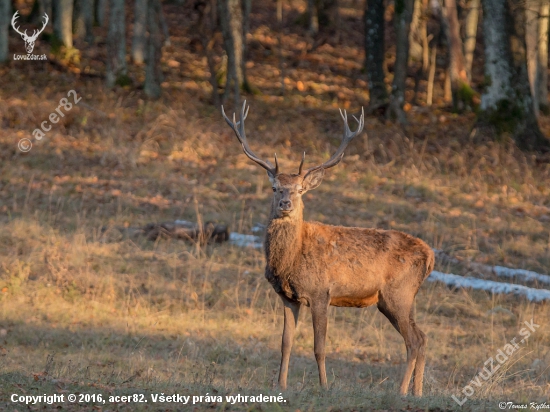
(87,310)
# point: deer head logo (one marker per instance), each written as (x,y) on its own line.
(29,40)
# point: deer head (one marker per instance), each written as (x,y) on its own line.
(29,40)
(289,188)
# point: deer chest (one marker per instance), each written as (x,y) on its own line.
(289,286)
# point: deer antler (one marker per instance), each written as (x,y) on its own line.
(37,32)
(238,128)
(339,154)
(13,19)
(25,35)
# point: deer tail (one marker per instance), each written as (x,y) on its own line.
(430,263)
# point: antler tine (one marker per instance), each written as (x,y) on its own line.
(37,32)
(13,19)
(346,138)
(302,163)
(276,171)
(240,123)
(238,128)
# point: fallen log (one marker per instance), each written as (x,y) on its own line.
(210,232)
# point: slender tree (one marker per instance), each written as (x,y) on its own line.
(460,85)
(153,72)
(415,33)
(312,17)
(83,19)
(5,12)
(506,104)
(62,16)
(542,90)
(322,13)
(401,22)
(374,53)
(419,48)
(139,40)
(532,42)
(46,7)
(328,13)
(470,34)
(207,32)
(99,12)
(247,8)
(231,19)
(163,25)
(116,45)
(536,36)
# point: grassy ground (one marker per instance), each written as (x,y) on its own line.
(85,310)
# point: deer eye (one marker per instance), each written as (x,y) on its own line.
(274,189)
(300,191)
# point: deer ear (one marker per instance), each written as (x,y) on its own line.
(313,179)
(271,177)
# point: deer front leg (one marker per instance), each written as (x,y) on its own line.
(292,310)
(319,314)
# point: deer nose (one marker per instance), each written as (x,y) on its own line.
(285,205)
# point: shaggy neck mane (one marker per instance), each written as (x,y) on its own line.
(283,244)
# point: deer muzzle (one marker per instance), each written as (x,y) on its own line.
(285,205)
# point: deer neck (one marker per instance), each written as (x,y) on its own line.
(283,244)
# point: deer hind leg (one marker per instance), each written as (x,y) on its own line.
(422,341)
(319,315)
(292,310)
(399,312)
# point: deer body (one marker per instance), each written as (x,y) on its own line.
(318,265)
(351,265)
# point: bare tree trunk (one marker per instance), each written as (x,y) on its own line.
(498,68)
(375,53)
(532,39)
(431,75)
(116,45)
(62,16)
(5,12)
(542,91)
(328,13)
(280,44)
(536,36)
(507,105)
(424,36)
(247,8)
(207,32)
(99,12)
(402,21)
(423,39)
(415,35)
(470,32)
(231,20)
(153,72)
(140,27)
(164,25)
(313,17)
(78,19)
(45,6)
(83,19)
(89,20)
(460,86)
(447,89)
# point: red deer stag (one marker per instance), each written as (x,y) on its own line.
(318,265)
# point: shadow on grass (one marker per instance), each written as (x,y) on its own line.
(46,360)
